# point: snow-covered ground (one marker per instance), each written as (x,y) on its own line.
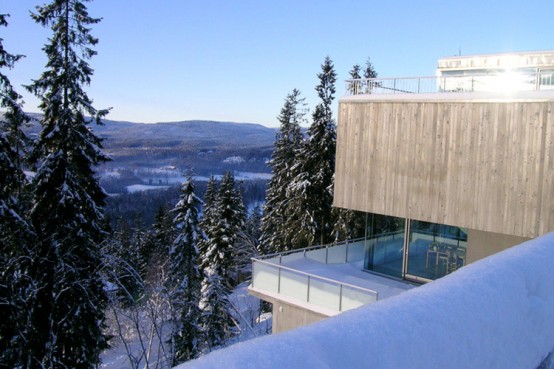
(245,176)
(495,313)
(141,187)
(244,307)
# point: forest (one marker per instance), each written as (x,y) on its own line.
(79,266)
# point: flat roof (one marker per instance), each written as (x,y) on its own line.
(541,59)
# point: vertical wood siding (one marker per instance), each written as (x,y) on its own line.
(482,165)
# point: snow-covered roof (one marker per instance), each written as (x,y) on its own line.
(495,313)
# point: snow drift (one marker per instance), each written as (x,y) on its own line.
(495,313)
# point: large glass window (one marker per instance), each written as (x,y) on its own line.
(385,244)
(435,250)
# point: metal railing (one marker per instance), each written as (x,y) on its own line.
(327,253)
(542,80)
(271,276)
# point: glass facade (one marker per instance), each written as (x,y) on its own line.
(413,249)
(385,244)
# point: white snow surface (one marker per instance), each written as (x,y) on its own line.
(495,313)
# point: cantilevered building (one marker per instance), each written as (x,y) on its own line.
(448,169)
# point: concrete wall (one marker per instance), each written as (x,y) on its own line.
(482,244)
(287,316)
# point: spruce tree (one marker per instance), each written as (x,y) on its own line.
(276,222)
(209,218)
(224,220)
(369,71)
(16,234)
(231,219)
(311,190)
(185,276)
(68,310)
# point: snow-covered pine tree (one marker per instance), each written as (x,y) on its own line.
(349,224)
(276,221)
(67,314)
(231,220)
(185,277)
(224,219)
(208,219)
(214,305)
(208,216)
(16,234)
(311,190)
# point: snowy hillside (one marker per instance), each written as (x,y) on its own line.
(202,146)
(495,313)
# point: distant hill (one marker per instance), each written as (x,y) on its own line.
(207,147)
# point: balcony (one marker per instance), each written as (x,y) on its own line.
(327,279)
(501,82)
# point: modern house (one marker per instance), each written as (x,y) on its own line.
(448,170)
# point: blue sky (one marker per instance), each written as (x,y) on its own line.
(171,60)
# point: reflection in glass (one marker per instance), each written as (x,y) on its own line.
(384,244)
(435,249)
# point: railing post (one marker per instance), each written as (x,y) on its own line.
(253,263)
(279,282)
(326,254)
(280,259)
(346,257)
(308,291)
(340,298)
(418,84)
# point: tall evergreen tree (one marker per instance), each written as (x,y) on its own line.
(185,276)
(209,219)
(225,220)
(16,234)
(68,311)
(276,226)
(231,221)
(311,190)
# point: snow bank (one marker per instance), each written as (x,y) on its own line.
(495,313)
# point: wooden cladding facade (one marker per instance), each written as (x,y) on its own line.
(484,165)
